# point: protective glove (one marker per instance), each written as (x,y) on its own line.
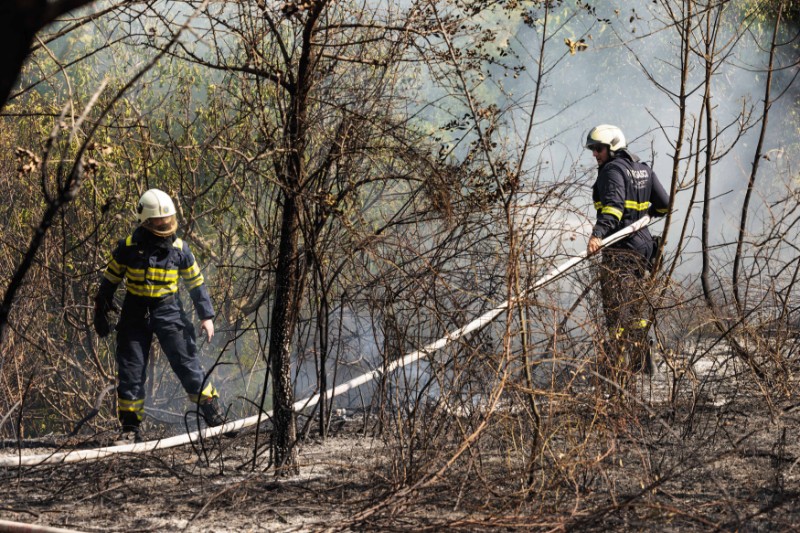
(102,326)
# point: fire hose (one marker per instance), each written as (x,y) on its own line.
(179,440)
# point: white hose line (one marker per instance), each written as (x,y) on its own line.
(7,526)
(179,440)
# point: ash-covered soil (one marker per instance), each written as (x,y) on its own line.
(706,448)
(217,488)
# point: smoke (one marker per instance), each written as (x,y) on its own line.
(623,77)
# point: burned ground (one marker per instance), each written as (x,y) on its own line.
(705,451)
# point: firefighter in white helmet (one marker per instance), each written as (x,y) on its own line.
(150,261)
(625,191)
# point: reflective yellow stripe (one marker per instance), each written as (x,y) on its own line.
(134,274)
(209,392)
(152,291)
(178,243)
(131,403)
(130,406)
(195,282)
(162,274)
(190,272)
(152,274)
(663,211)
(637,206)
(608,210)
(206,394)
(116,268)
(192,276)
(111,277)
(629,204)
(165,277)
(129,240)
(114,271)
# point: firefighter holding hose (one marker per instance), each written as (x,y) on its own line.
(625,191)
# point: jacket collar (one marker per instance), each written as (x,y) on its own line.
(148,239)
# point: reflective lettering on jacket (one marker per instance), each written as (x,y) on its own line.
(626,190)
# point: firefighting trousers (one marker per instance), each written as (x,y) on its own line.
(170,324)
(626,308)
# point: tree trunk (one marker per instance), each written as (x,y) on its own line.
(284,318)
(289,277)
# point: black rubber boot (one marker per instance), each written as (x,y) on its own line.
(131,431)
(129,435)
(212,413)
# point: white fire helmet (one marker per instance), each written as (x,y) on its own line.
(606,134)
(156,213)
(154,203)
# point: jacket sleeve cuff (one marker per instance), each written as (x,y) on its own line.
(602,231)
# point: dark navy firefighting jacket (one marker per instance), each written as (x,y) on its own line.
(626,190)
(151,266)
